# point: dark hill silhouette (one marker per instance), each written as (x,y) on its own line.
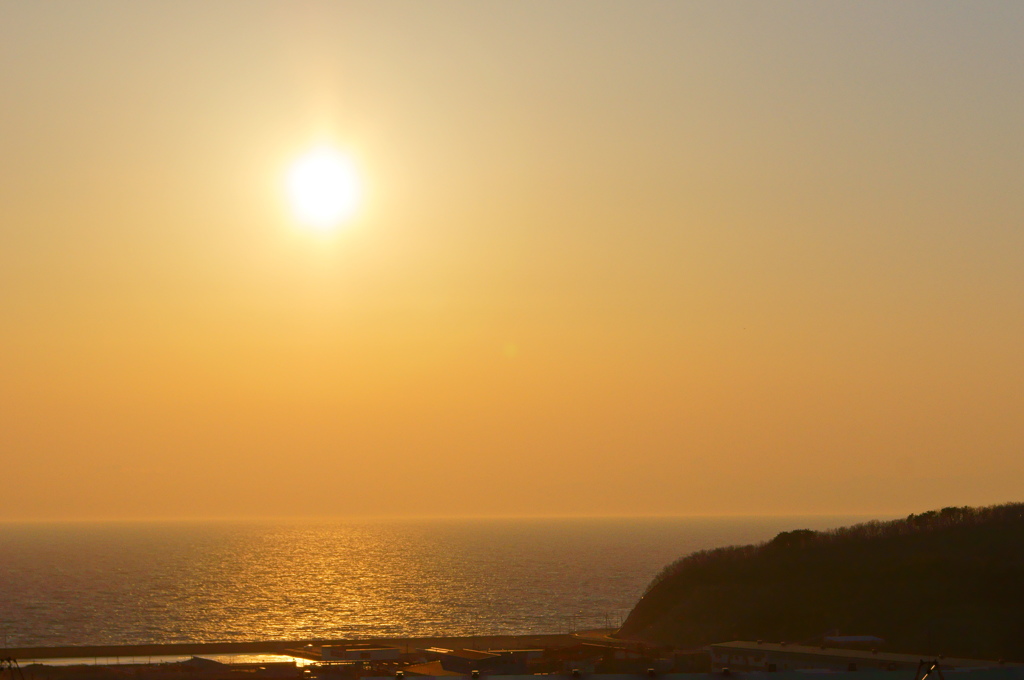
(949,582)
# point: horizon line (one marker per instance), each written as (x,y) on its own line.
(398,518)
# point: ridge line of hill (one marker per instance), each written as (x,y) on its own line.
(946,581)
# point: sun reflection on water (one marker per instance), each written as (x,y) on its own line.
(207,582)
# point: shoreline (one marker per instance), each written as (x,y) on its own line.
(285,647)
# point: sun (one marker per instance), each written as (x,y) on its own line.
(323,188)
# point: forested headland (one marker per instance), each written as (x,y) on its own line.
(948,581)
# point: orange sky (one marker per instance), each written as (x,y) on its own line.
(612,258)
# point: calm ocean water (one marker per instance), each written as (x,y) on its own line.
(77,584)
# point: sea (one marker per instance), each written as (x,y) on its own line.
(95,583)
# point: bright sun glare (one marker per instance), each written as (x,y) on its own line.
(323,188)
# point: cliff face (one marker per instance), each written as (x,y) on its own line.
(943,582)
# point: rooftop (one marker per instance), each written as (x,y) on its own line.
(844,652)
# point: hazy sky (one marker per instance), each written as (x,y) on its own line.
(611,258)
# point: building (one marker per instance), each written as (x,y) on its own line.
(497,662)
(359,653)
(780,656)
(1006,672)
